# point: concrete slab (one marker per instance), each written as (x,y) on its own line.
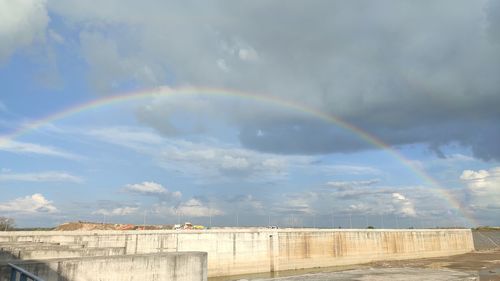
(182,266)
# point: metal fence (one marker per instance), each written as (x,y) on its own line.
(19,274)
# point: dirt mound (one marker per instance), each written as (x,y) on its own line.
(81,225)
(69,226)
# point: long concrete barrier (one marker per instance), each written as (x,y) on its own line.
(243,251)
(185,266)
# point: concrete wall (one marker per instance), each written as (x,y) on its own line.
(34,250)
(244,251)
(486,240)
(186,266)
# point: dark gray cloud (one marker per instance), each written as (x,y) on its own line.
(405,71)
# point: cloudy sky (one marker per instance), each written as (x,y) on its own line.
(247,112)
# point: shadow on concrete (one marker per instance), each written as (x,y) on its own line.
(36,267)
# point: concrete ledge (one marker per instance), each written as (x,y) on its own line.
(182,266)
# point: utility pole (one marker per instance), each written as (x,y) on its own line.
(333,220)
(210,221)
(350,221)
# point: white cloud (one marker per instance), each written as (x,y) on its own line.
(277,165)
(208,161)
(221,63)
(363,200)
(241,50)
(479,177)
(459,157)
(246,203)
(120,211)
(483,187)
(398,196)
(34,204)
(297,203)
(51,176)
(350,184)
(220,163)
(152,189)
(190,208)
(56,37)
(248,54)
(349,169)
(147,187)
(234,163)
(195,208)
(404,206)
(22,22)
(32,148)
(131,137)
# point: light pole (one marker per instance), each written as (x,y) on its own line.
(333,220)
(210,221)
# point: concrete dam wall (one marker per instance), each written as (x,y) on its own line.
(243,251)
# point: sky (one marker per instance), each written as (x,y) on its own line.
(223,113)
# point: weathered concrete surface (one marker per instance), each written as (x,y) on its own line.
(31,251)
(242,251)
(185,266)
(485,240)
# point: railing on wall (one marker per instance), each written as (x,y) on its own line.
(19,274)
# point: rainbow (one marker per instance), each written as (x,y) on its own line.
(289,104)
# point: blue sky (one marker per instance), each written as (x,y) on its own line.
(421,77)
